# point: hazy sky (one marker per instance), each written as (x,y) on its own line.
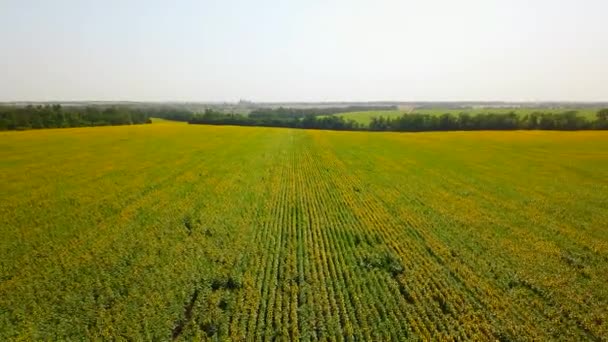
(309,50)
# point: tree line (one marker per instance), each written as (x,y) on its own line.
(569,120)
(275,117)
(309,121)
(282,112)
(57,116)
(414,122)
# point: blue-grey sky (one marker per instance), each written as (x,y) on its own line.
(309,50)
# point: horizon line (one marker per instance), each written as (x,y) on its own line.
(244,101)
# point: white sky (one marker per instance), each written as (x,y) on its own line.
(310,50)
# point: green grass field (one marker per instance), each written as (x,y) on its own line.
(366,116)
(175,231)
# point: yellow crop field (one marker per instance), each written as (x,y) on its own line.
(171,231)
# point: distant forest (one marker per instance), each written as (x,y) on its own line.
(566,121)
(57,116)
(316,118)
(414,122)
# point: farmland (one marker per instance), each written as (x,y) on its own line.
(174,231)
(365,117)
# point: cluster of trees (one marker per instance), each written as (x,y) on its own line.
(266,116)
(282,112)
(309,121)
(170,113)
(412,122)
(491,121)
(56,116)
